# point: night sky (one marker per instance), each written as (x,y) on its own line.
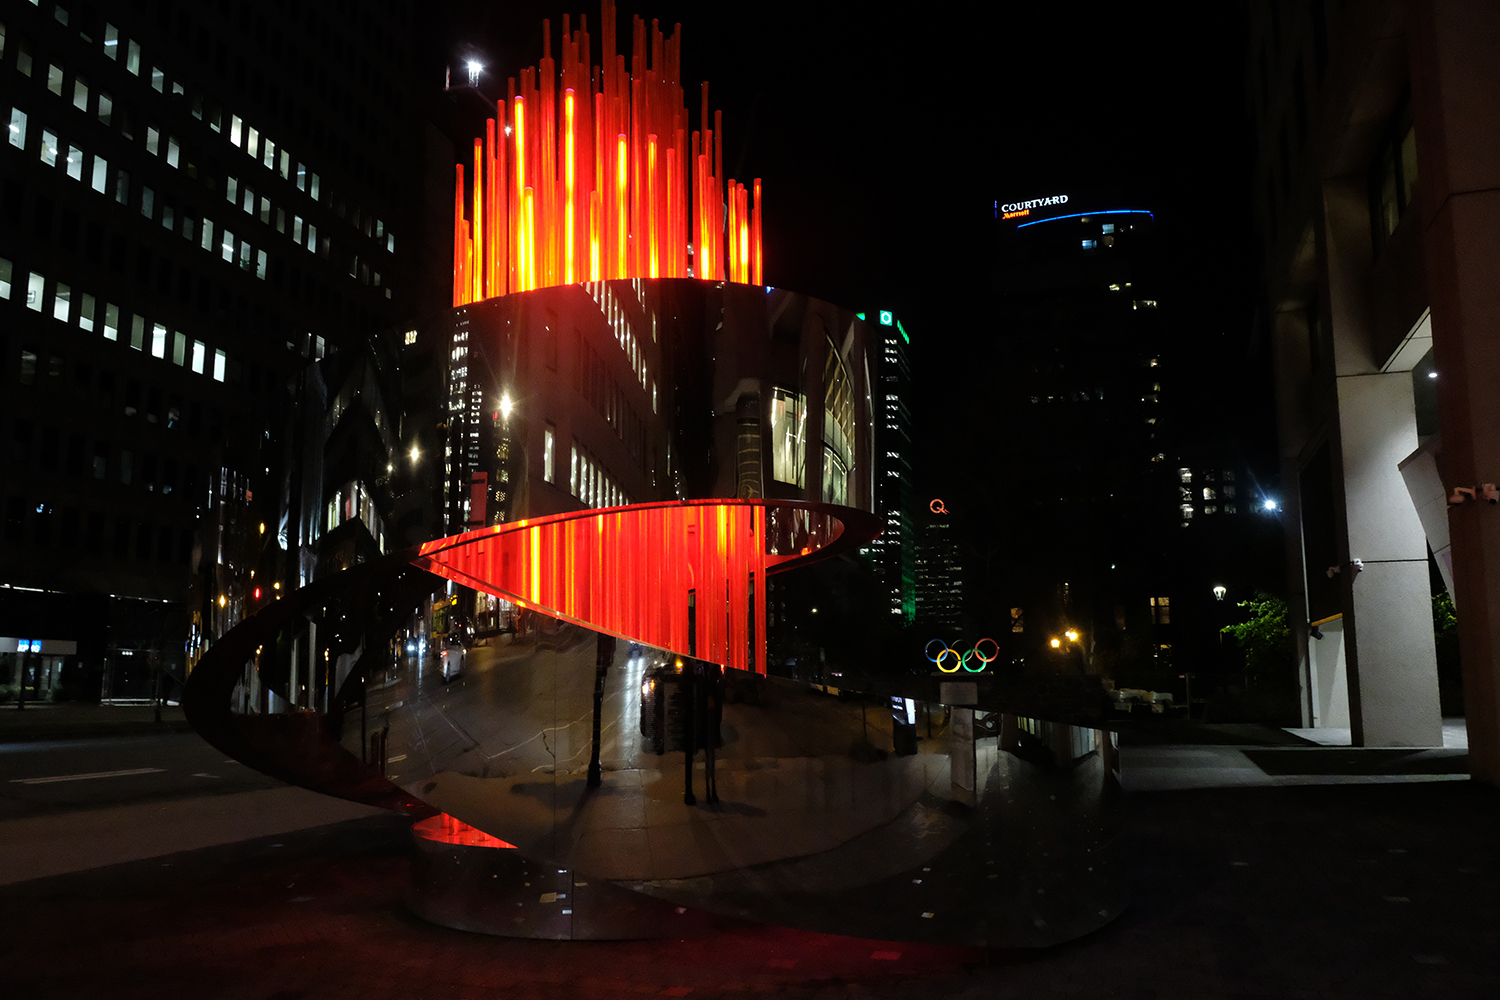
(883,143)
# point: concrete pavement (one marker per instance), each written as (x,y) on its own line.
(1344,888)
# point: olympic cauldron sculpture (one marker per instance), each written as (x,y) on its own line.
(634,451)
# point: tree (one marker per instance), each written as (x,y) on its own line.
(1265,638)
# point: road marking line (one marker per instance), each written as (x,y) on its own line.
(81,777)
(392,760)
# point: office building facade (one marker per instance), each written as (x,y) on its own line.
(197,202)
(1382,309)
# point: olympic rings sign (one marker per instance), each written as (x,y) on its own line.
(949,660)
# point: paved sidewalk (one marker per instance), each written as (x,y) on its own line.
(73,720)
(1257,890)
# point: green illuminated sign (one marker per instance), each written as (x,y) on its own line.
(903,331)
(860,315)
(885,317)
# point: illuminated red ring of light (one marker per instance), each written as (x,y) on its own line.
(992,658)
(627,571)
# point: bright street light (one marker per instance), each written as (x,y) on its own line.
(506,405)
(1270,504)
(475,68)
(1056,643)
(1072,634)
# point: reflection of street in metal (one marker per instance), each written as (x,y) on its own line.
(816,814)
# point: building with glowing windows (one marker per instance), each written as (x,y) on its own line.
(195,204)
(895,551)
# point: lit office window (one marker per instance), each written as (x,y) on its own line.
(106,107)
(148,202)
(297,229)
(788,436)
(313,187)
(75,163)
(235,126)
(252,140)
(111,41)
(265,210)
(49,148)
(62,297)
(80,93)
(158,341)
(312,238)
(158,79)
(54,79)
(173,151)
(218,366)
(122,187)
(188,223)
(179,348)
(286,165)
(111,321)
(245,256)
(86,312)
(34,292)
(249,204)
(5,276)
(137,333)
(200,351)
(101,174)
(1089,244)
(301,177)
(549,435)
(206,238)
(390,242)
(268,154)
(281,220)
(228,246)
(18,128)
(153,141)
(573,471)
(133,58)
(260,264)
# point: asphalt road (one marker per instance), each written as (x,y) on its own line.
(42,777)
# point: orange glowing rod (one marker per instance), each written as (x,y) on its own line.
(528,230)
(622,206)
(476,265)
(522,246)
(653,269)
(569,152)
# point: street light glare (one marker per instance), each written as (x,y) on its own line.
(415,454)
(1270,504)
(506,405)
(1056,643)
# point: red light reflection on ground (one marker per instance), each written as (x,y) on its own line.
(447,830)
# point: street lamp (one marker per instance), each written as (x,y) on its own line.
(475,68)
(1269,504)
(1072,634)
(506,405)
(1056,643)
(1219,592)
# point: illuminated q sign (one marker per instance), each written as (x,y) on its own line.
(1020,209)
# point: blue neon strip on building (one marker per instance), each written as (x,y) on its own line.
(1080,215)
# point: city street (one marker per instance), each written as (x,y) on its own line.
(1266,870)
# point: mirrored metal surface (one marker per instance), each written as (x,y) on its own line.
(853,813)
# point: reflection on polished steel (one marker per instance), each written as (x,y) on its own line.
(627,467)
(828,814)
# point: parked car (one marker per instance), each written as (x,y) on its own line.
(454,654)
